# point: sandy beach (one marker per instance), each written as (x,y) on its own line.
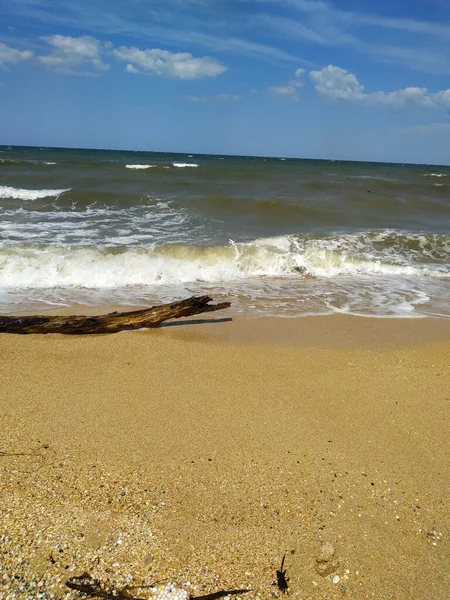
(201,453)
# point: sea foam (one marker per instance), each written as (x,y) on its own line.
(284,256)
(182,165)
(139,166)
(23,194)
(142,167)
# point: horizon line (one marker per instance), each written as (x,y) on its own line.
(286,157)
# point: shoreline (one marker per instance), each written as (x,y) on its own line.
(336,330)
(325,331)
(200,454)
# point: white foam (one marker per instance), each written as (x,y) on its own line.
(435,175)
(139,166)
(47,162)
(182,165)
(282,257)
(438,184)
(23,194)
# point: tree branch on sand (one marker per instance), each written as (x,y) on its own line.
(112,322)
(90,587)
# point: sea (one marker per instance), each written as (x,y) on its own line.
(275,236)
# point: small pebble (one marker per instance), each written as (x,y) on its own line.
(336,579)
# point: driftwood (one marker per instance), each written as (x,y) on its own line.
(90,587)
(112,322)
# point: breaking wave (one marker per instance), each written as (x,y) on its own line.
(23,194)
(138,167)
(10,162)
(182,165)
(385,253)
(143,167)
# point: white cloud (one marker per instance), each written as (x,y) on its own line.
(317,8)
(416,44)
(285,91)
(171,64)
(70,54)
(9,55)
(216,98)
(293,28)
(130,69)
(290,90)
(205,24)
(432,28)
(336,83)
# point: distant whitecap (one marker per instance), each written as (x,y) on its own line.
(182,165)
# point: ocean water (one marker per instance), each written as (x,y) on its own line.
(274,236)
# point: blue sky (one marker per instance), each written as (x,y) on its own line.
(342,79)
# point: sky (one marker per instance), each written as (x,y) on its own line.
(337,79)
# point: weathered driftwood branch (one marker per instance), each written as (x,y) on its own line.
(112,322)
(91,587)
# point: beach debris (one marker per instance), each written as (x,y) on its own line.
(282,580)
(90,587)
(325,565)
(112,322)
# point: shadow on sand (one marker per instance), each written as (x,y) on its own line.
(196,322)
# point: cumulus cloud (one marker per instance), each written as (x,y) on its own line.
(290,90)
(336,83)
(73,54)
(216,98)
(9,55)
(181,65)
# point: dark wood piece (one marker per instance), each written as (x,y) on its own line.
(112,322)
(90,587)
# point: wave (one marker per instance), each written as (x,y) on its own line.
(376,253)
(139,166)
(182,165)
(12,162)
(17,162)
(435,175)
(143,167)
(23,194)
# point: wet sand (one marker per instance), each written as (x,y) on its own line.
(200,454)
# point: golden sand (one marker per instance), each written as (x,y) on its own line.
(201,454)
